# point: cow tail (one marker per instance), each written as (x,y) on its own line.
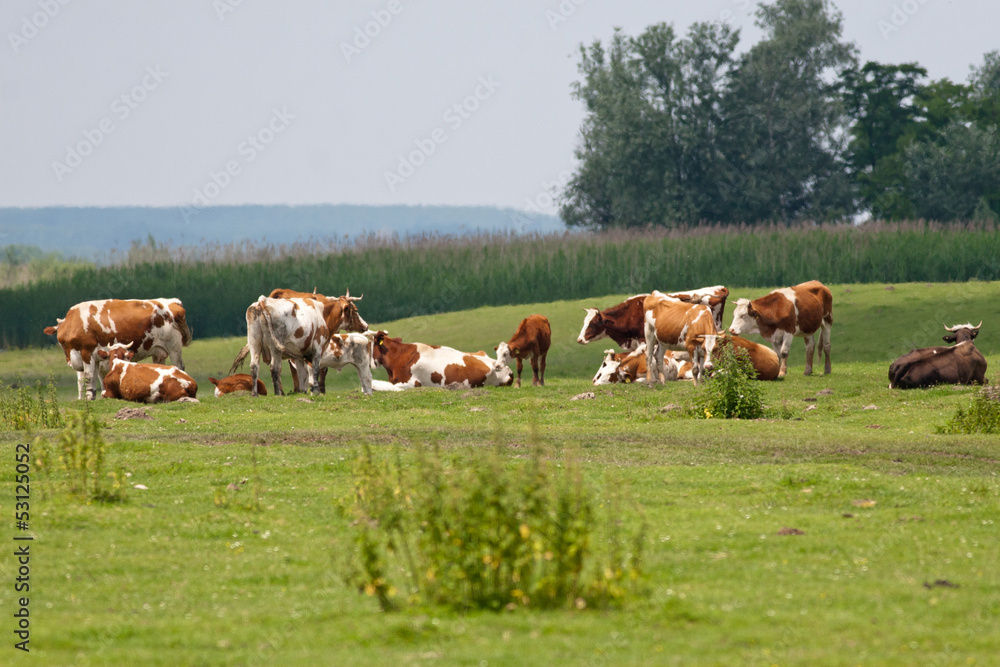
(240,358)
(185,330)
(266,316)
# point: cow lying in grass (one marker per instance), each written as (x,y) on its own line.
(420,365)
(238,382)
(961,363)
(627,367)
(144,383)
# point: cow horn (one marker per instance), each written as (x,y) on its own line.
(347,295)
(948,328)
(978,325)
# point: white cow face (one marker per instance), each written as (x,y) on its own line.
(608,372)
(593,327)
(743,320)
(503,354)
(504,376)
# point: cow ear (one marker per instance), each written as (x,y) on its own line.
(103,354)
(751,311)
(975,332)
(496,347)
(950,338)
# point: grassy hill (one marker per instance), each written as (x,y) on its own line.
(872,323)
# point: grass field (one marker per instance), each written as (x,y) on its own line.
(174,576)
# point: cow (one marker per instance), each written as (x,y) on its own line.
(420,365)
(143,383)
(961,363)
(351,349)
(675,325)
(805,310)
(293,328)
(763,358)
(154,328)
(533,337)
(627,367)
(238,382)
(623,323)
(340,312)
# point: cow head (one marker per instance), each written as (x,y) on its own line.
(608,372)
(351,319)
(503,354)
(505,377)
(379,343)
(744,319)
(961,333)
(593,327)
(116,351)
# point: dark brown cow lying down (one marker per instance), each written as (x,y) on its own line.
(961,363)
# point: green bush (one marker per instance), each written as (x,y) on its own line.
(479,532)
(20,410)
(983,415)
(732,392)
(79,452)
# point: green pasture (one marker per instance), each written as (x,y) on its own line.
(850,533)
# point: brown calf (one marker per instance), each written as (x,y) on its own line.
(238,382)
(533,338)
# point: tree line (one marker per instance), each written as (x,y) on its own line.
(683,130)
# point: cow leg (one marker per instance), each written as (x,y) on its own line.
(825,343)
(520,365)
(782,348)
(810,349)
(81,384)
(535,382)
(541,371)
(93,370)
(322,379)
(313,374)
(276,372)
(295,375)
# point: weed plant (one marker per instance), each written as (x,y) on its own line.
(22,410)
(732,392)
(79,454)
(478,532)
(982,416)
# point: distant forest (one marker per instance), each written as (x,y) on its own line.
(680,130)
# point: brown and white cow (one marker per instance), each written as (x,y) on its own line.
(420,365)
(805,310)
(351,349)
(340,312)
(238,382)
(961,363)
(154,328)
(291,328)
(624,322)
(763,358)
(627,367)
(673,325)
(144,383)
(532,338)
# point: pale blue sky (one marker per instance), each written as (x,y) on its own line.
(172,100)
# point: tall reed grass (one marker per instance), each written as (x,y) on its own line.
(423,275)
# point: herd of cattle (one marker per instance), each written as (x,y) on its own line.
(664,337)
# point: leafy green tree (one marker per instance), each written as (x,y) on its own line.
(785,117)
(649,153)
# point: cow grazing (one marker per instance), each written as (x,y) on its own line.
(420,365)
(673,325)
(351,349)
(624,323)
(961,363)
(340,312)
(292,328)
(532,338)
(804,310)
(238,382)
(154,328)
(144,383)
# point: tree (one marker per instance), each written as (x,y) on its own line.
(649,152)
(785,117)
